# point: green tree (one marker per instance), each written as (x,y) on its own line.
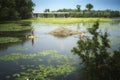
(15,9)
(89,6)
(47,10)
(78,7)
(99,63)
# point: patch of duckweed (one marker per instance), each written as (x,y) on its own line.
(16,56)
(14,27)
(58,66)
(46,73)
(9,39)
(21,49)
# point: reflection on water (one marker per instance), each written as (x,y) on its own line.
(31,47)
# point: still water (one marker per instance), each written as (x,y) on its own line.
(48,57)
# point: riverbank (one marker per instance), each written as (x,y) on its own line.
(69,20)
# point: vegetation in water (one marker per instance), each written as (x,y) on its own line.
(57,66)
(98,62)
(46,72)
(64,32)
(68,20)
(9,39)
(52,54)
(15,27)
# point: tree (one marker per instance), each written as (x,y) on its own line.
(47,10)
(98,62)
(15,9)
(89,6)
(78,7)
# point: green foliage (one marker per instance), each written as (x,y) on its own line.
(47,10)
(90,13)
(89,6)
(78,7)
(15,9)
(99,63)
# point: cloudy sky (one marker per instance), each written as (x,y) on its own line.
(41,5)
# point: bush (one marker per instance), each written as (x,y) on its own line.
(98,62)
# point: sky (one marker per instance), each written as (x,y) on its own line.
(41,5)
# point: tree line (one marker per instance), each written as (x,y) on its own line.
(15,9)
(88,12)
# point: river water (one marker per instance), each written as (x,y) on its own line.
(48,50)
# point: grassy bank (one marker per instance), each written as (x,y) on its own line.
(69,20)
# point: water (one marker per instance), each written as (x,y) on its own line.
(58,52)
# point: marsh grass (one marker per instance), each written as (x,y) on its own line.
(69,20)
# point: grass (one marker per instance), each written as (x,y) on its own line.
(9,39)
(68,20)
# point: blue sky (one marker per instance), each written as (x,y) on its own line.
(41,5)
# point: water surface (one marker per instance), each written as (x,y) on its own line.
(56,48)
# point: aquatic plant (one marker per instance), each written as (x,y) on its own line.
(14,27)
(16,56)
(9,39)
(57,65)
(40,56)
(46,73)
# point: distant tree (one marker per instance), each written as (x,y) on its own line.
(78,7)
(89,6)
(47,10)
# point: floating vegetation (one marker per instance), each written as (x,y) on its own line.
(58,66)
(40,56)
(64,32)
(46,73)
(9,39)
(21,49)
(14,27)
(16,56)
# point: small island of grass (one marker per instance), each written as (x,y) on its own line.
(64,32)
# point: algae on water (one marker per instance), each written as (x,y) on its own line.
(9,39)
